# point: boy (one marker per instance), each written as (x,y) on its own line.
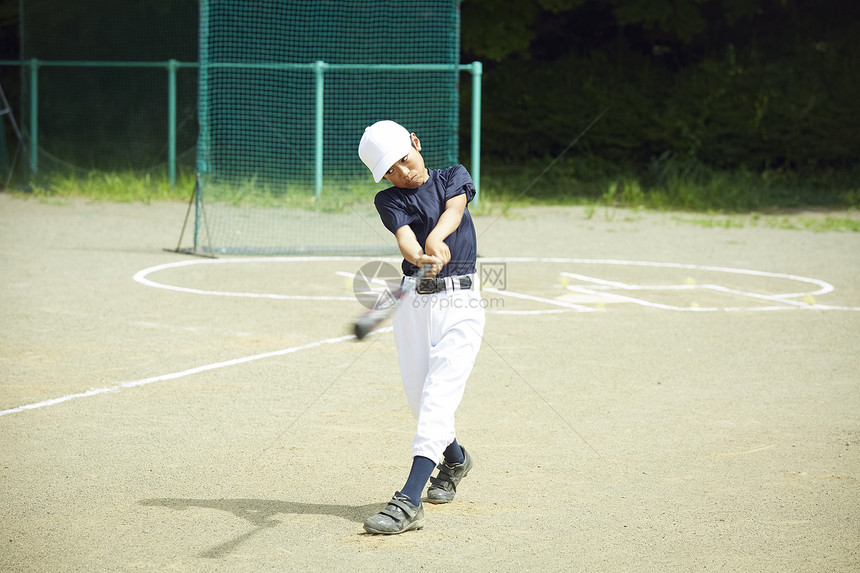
(439,324)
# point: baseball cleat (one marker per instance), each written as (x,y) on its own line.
(398,516)
(444,486)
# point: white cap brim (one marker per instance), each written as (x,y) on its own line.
(391,157)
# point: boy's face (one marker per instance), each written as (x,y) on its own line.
(409,171)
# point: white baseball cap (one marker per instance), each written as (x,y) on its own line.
(382,144)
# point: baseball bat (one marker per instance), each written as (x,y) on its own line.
(385,306)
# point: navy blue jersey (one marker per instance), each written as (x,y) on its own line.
(421,208)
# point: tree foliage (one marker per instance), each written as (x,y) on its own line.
(755,84)
(728,84)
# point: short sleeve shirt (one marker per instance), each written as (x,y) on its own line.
(421,208)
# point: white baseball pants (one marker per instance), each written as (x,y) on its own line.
(437,337)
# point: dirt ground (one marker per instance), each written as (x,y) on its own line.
(651,395)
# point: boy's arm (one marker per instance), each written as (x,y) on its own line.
(411,250)
(447,224)
(435,251)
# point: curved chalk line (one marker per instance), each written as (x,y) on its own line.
(598,287)
(822,287)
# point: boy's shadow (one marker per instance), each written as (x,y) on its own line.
(261,513)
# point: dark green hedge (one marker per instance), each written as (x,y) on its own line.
(772,86)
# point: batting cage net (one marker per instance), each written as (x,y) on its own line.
(286,90)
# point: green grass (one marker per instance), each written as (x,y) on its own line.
(701,196)
(673,187)
(111,187)
(130,187)
(796,222)
(722,199)
(333,199)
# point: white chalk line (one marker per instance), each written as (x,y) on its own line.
(785,299)
(544,300)
(142,277)
(183,373)
(600,286)
(824,287)
(596,290)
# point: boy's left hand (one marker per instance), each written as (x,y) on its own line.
(435,264)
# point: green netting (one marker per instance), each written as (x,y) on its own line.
(94,110)
(277,150)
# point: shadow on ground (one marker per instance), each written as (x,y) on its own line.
(261,513)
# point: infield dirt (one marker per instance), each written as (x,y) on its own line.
(147,429)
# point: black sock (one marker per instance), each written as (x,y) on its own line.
(422,469)
(454,453)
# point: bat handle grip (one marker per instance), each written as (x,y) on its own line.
(423,271)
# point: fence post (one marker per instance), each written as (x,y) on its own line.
(172,66)
(34,116)
(319,70)
(477,70)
